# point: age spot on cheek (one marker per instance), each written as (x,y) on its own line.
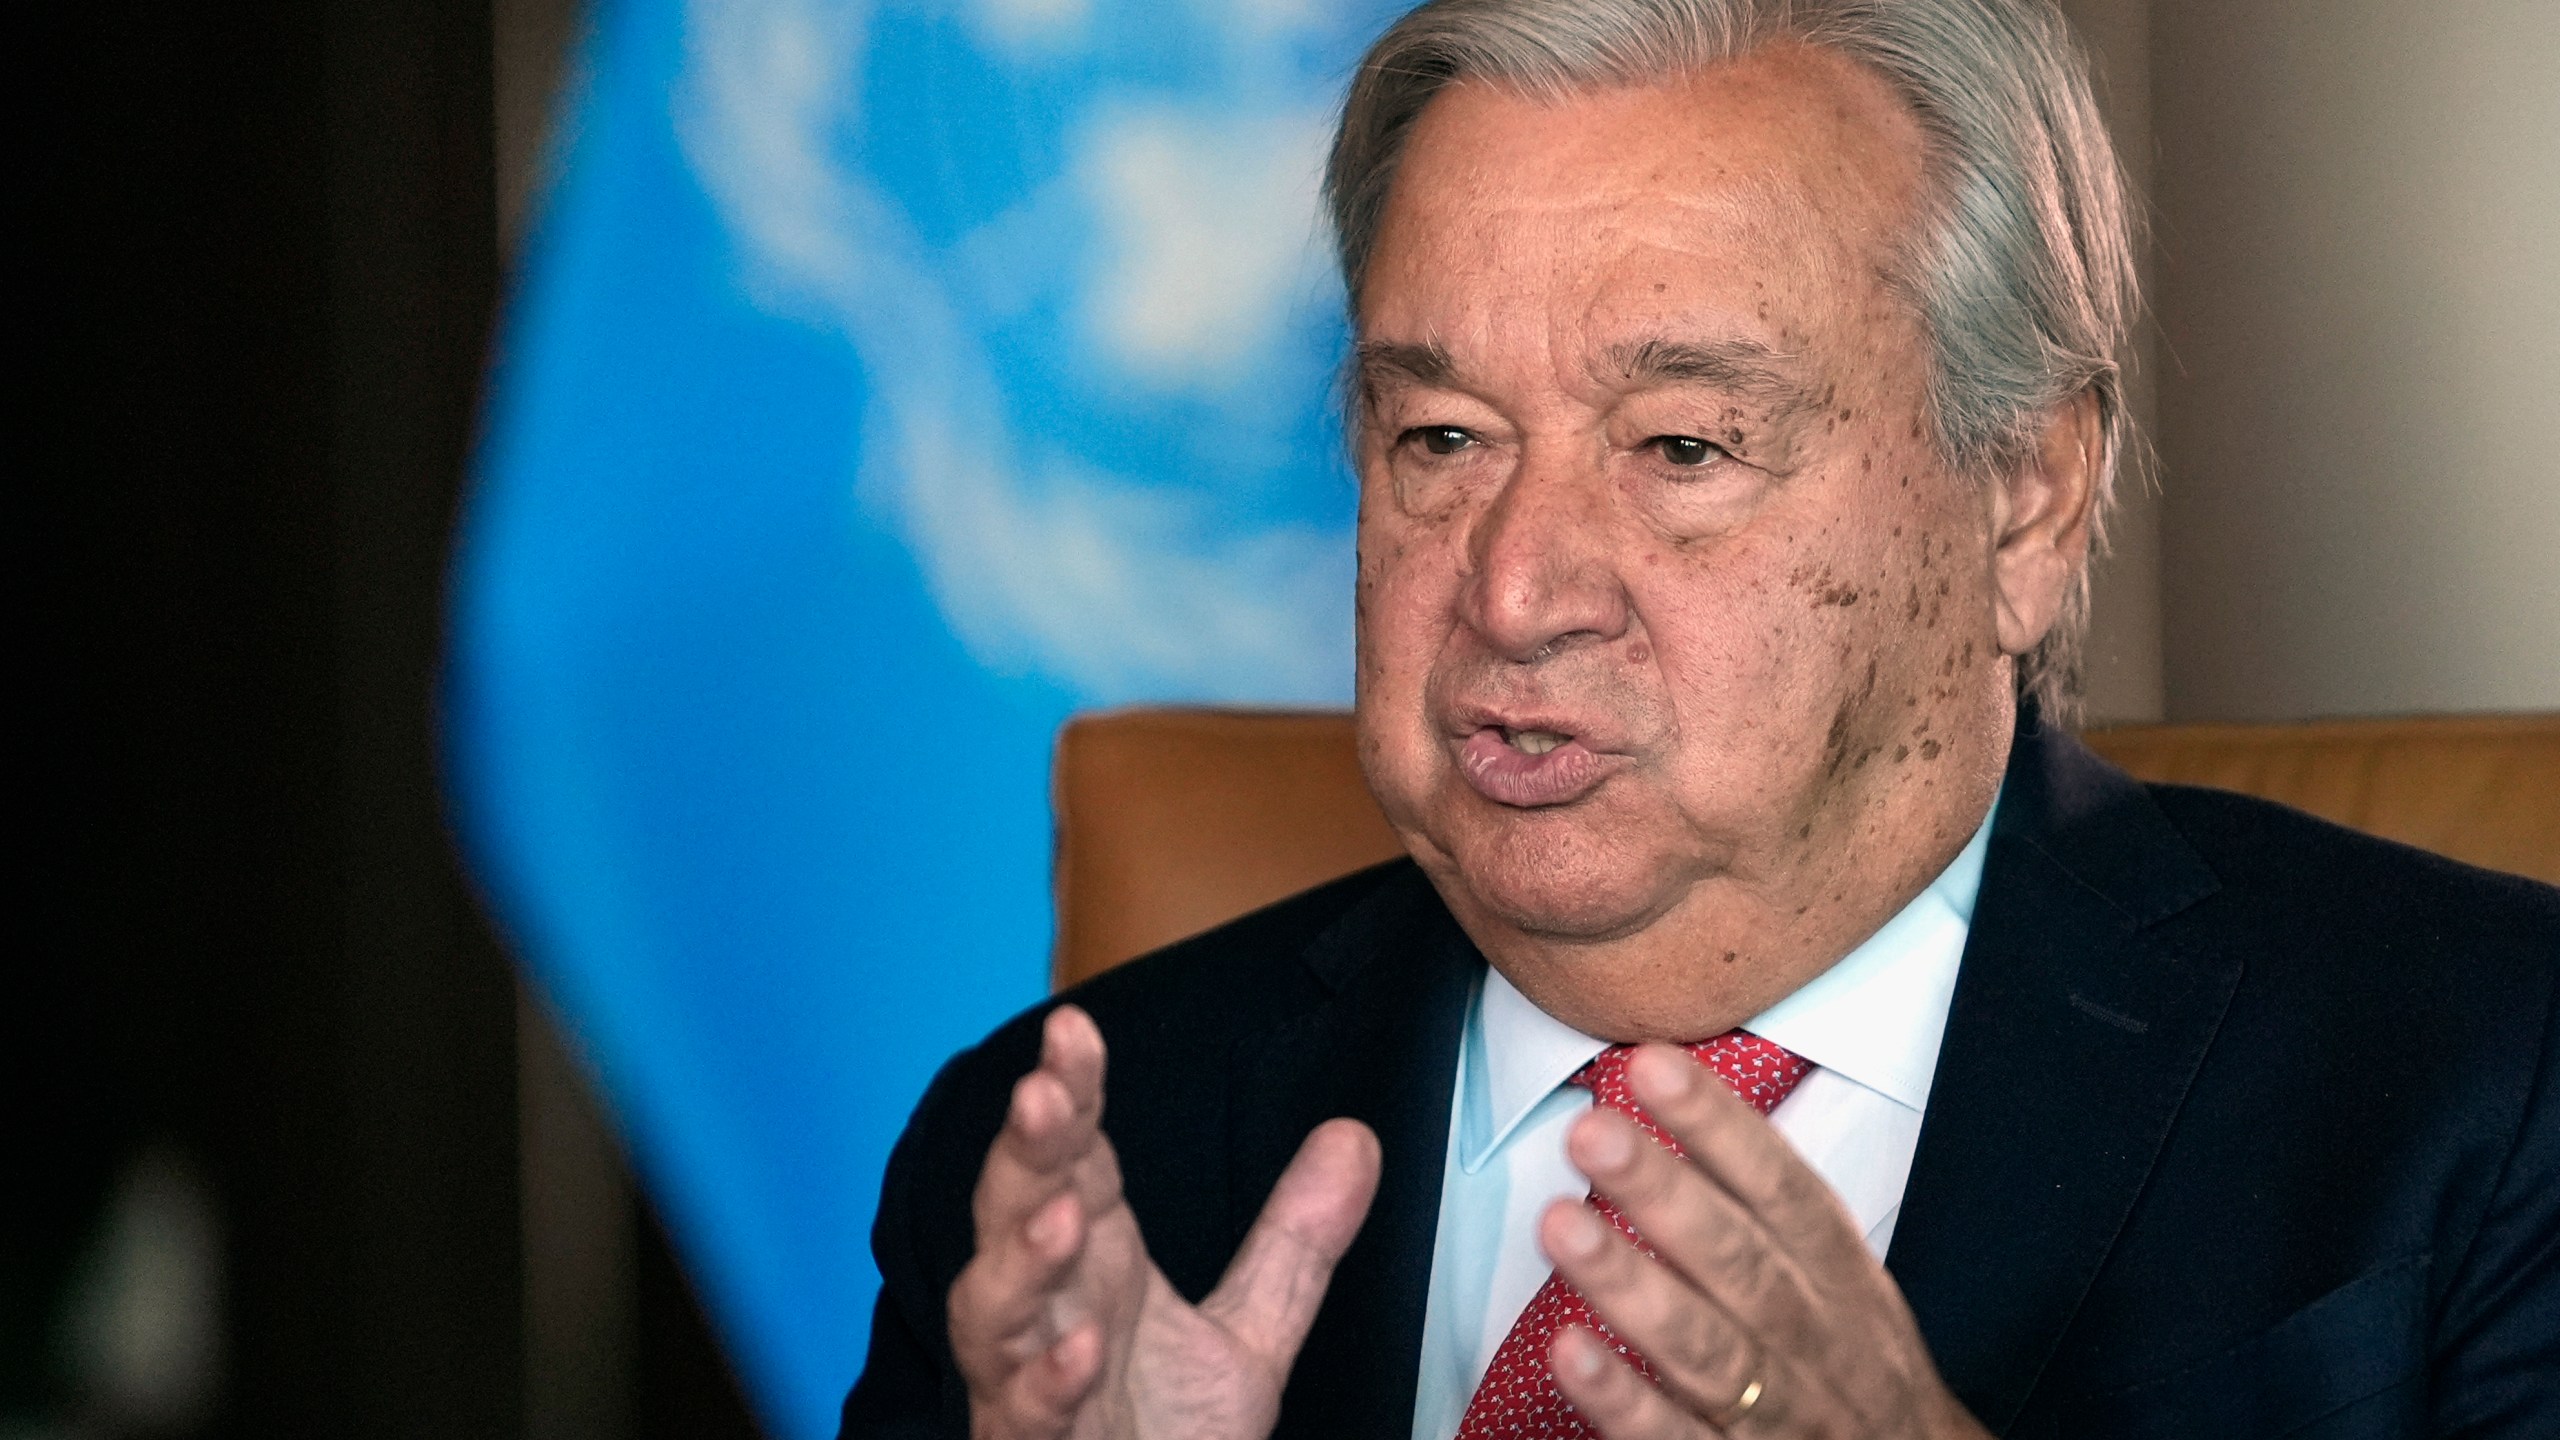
(1835,745)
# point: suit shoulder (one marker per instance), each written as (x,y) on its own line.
(2345,893)
(1242,961)
(1196,994)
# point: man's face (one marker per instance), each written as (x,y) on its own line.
(1679,663)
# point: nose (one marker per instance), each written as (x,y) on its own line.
(1544,578)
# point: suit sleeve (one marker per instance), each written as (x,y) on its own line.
(2496,1372)
(910,1388)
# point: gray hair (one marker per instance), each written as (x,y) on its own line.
(2022,268)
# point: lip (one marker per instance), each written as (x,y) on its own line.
(1513,777)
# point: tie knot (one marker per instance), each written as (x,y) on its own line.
(1761,1071)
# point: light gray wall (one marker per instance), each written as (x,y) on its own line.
(2359,295)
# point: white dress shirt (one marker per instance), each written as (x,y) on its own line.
(1870,1024)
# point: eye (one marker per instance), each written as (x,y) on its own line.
(1687,451)
(1439,439)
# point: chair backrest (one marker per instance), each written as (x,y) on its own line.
(1172,821)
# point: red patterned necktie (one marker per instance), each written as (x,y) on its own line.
(1518,1399)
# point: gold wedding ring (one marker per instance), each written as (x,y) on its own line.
(1741,1406)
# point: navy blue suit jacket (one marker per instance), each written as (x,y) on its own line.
(2244,1125)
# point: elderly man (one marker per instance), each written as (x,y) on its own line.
(1736,405)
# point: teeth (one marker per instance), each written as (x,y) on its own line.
(1535,742)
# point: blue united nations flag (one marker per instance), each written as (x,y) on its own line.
(887,383)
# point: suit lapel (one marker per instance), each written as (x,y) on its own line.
(2075,1031)
(1381,1046)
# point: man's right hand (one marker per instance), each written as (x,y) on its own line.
(1064,1327)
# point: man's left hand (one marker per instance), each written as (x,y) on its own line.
(1764,1315)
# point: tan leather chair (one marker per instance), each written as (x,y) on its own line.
(1171,821)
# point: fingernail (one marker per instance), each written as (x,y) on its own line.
(1581,1354)
(1582,1236)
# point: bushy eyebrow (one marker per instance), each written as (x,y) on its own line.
(1744,367)
(1423,363)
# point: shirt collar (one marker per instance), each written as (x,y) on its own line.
(1875,1018)
(1517,1054)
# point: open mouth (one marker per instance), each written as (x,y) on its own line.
(1532,742)
(1529,767)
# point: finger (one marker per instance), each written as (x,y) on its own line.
(1702,1354)
(1052,1126)
(1699,1229)
(1027,1284)
(1617,1401)
(1004,1306)
(1061,1099)
(1049,1175)
(1071,1048)
(1039,1400)
(1712,1241)
(1744,1154)
(1788,1263)
(1271,1291)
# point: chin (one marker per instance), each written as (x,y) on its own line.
(1558,875)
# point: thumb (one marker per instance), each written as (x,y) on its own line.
(1269,1295)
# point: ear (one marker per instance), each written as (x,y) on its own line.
(2041,514)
